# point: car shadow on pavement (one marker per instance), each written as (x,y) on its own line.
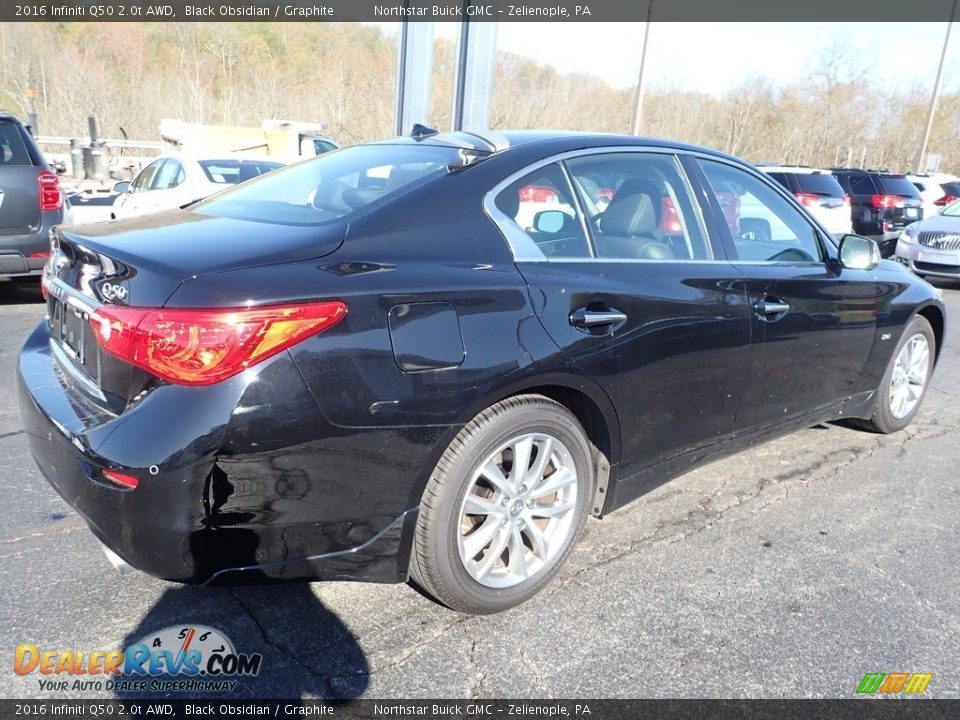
(307,652)
(20,292)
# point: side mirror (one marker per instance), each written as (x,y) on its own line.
(121,187)
(859,253)
(549,221)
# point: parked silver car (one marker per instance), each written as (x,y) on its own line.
(932,246)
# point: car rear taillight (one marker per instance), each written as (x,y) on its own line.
(886,201)
(807,199)
(51,197)
(203,346)
(846,200)
(945,200)
(538,193)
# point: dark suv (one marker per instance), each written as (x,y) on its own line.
(31,202)
(881,204)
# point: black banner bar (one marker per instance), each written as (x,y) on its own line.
(860,709)
(474,10)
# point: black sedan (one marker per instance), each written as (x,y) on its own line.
(432,358)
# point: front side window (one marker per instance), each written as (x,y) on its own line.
(639,207)
(334,185)
(767,227)
(542,204)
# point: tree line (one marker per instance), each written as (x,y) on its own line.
(130,75)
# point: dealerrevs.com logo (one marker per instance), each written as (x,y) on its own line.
(192,658)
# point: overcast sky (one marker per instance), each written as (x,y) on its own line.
(712,57)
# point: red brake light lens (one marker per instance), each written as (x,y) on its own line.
(538,193)
(886,201)
(945,200)
(846,200)
(51,198)
(128,482)
(202,347)
(807,199)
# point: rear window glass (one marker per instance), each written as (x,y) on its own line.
(334,185)
(951,188)
(820,184)
(12,149)
(897,186)
(231,172)
(780,178)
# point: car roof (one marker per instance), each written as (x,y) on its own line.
(207,157)
(550,141)
(796,169)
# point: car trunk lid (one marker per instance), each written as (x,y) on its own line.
(139,263)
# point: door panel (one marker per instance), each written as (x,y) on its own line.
(813,322)
(812,355)
(674,367)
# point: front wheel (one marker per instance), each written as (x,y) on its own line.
(504,506)
(905,382)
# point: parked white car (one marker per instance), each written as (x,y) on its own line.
(819,192)
(174,180)
(936,191)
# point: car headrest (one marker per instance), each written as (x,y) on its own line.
(509,202)
(630,215)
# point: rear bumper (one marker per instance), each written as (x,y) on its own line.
(16,250)
(202,512)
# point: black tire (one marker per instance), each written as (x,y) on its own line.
(435,563)
(883,420)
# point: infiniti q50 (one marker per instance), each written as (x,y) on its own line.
(433,358)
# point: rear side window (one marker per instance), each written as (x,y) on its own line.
(231,172)
(819,184)
(651,214)
(543,205)
(13,151)
(334,185)
(897,186)
(862,185)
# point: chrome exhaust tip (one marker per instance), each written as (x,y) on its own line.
(119,564)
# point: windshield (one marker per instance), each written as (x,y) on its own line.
(332,186)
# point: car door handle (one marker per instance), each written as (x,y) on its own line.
(766,308)
(583,318)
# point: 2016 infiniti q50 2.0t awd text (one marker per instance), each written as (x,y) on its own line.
(433,358)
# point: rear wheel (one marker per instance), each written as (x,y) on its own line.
(504,506)
(905,382)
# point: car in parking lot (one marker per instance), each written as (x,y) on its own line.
(819,192)
(932,246)
(364,367)
(31,202)
(882,204)
(936,191)
(177,179)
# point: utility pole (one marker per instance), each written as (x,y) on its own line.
(641,78)
(935,97)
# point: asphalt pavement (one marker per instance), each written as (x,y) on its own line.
(789,570)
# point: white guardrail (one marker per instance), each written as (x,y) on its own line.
(83,141)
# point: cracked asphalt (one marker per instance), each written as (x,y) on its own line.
(789,570)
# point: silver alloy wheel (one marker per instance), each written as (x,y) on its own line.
(909,376)
(519,510)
